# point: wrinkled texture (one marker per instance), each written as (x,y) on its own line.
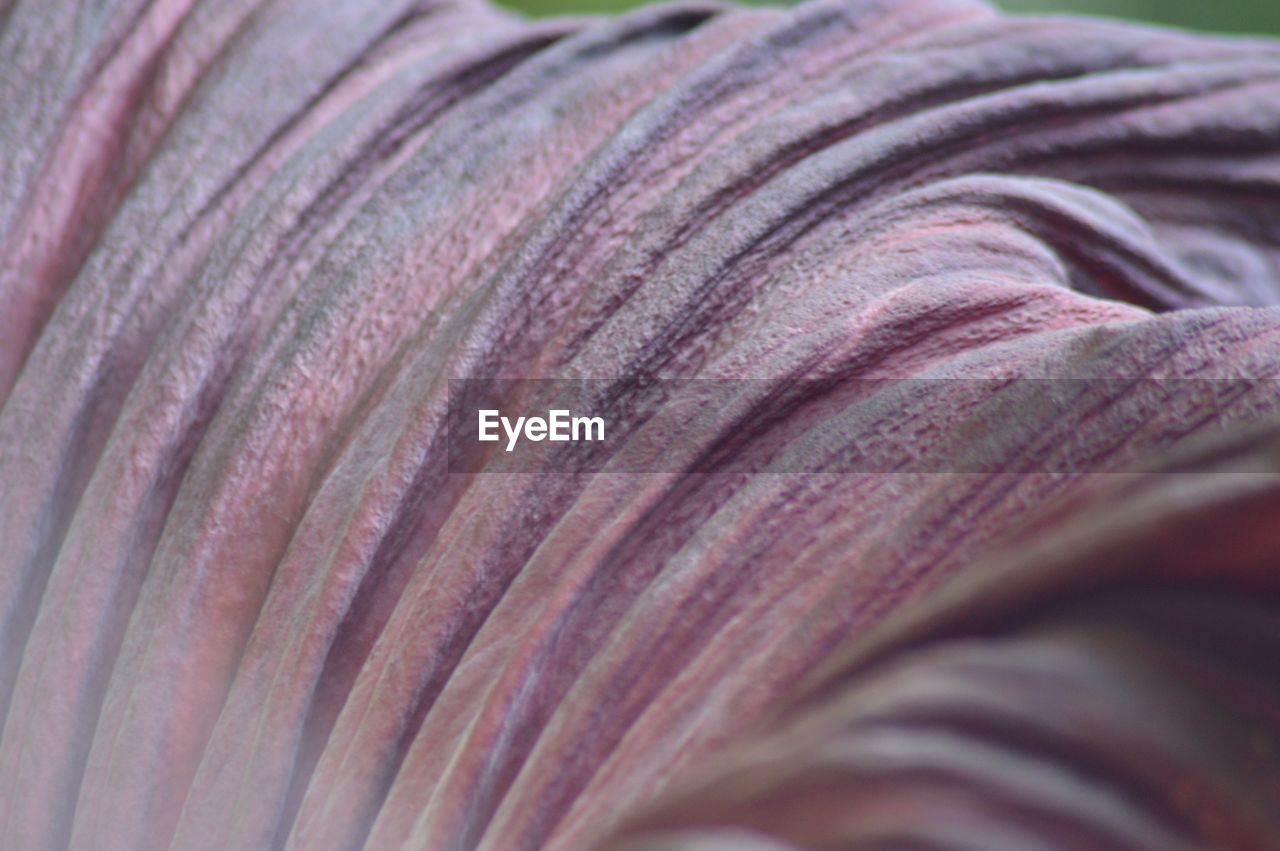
(245,604)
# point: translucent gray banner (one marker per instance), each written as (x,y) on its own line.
(852,425)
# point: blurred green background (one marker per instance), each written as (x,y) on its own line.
(1237,16)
